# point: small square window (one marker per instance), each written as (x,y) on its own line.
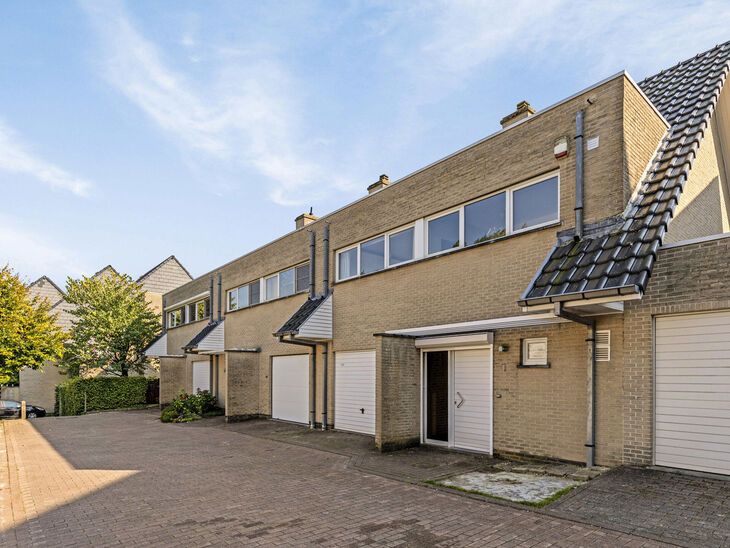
(372,255)
(443,233)
(534,351)
(302,278)
(347,264)
(286,283)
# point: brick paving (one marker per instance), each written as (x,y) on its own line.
(686,510)
(124,478)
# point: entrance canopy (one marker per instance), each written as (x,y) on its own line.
(478,326)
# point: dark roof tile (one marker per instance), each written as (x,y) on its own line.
(686,95)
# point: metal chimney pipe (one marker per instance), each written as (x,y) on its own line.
(210,300)
(311,263)
(164,317)
(579,175)
(326,266)
(220,293)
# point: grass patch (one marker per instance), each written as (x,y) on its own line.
(539,504)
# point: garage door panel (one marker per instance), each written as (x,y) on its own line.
(692,421)
(355,392)
(290,388)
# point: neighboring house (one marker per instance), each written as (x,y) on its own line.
(442,309)
(38,387)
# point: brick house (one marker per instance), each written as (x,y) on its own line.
(559,288)
(38,387)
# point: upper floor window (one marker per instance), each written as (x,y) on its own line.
(199,310)
(485,219)
(282,284)
(523,207)
(376,254)
(175,317)
(535,205)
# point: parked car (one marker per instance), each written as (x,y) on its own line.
(10,409)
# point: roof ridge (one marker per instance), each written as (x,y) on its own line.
(49,280)
(154,268)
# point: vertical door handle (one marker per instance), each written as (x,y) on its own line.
(458,405)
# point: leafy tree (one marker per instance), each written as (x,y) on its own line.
(29,336)
(114,324)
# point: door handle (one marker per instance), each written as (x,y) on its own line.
(458,405)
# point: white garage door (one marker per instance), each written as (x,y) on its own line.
(693,392)
(290,388)
(201,376)
(355,392)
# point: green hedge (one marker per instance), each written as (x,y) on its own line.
(101,393)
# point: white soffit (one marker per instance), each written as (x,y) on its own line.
(214,341)
(456,340)
(157,348)
(480,325)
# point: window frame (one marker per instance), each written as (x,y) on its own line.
(386,252)
(526,360)
(511,209)
(460,211)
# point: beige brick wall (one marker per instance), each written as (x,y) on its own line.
(689,278)
(476,283)
(173,378)
(397,393)
(701,210)
(38,387)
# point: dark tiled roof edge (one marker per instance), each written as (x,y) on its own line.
(292,325)
(195,341)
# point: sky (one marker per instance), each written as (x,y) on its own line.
(131,131)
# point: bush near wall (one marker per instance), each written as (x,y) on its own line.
(101,393)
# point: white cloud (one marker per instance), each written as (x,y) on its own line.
(246,115)
(15,158)
(32,255)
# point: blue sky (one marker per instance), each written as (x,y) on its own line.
(132,131)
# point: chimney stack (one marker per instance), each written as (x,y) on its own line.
(524,110)
(380,183)
(304,219)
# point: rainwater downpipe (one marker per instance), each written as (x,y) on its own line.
(579,175)
(326,283)
(164,316)
(220,312)
(590,380)
(210,299)
(312,237)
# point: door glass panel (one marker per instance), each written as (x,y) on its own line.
(437,396)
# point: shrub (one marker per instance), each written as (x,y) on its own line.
(101,393)
(188,407)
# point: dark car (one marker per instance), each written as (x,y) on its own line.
(11,410)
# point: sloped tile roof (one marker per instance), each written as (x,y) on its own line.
(195,341)
(292,325)
(618,258)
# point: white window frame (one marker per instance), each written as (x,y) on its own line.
(386,250)
(169,317)
(421,227)
(228,299)
(278,285)
(526,360)
(266,286)
(460,210)
(510,204)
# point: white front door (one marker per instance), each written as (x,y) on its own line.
(201,376)
(457,398)
(290,388)
(355,392)
(473,399)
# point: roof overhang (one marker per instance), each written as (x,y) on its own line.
(475,327)
(158,348)
(588,306)
(210,340)
(312,321)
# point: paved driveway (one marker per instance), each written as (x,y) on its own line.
(123,478)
